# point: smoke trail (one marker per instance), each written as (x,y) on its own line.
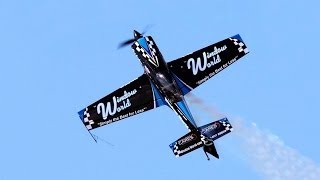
(265,151)
(271,157)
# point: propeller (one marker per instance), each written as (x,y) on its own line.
(126,43)
(136,35)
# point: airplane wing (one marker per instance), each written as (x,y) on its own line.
(133,98)
(194,69)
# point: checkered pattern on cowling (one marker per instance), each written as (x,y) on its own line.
(152,49)
(227,126)
(87,122)
(241,46)
(139,49)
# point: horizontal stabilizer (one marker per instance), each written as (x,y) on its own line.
(202,137)
(216,129)
(186,144)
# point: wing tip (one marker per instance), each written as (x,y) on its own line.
(81,114)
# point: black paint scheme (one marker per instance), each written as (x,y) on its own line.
(163,83)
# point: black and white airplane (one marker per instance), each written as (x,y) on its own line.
(165,83)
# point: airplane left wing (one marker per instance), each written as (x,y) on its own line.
(194,69)
(133,98)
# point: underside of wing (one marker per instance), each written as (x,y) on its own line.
(194,69)
(133,98)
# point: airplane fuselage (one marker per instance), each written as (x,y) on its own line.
(159,74)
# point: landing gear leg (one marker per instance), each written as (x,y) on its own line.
(206,155)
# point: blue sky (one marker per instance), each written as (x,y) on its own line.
(60,56)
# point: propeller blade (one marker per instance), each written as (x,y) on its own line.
(125,43)
(147,28)
(136,34)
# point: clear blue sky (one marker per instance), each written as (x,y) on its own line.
(60,56)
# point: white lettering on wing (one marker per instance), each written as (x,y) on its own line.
(197,65)
(107,110)
(118,104)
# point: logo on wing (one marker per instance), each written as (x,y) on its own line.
(118,104)
(209,60)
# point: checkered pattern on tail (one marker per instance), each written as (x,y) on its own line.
(87,122)
(179,152)
(241,46)
(227,125)
(176,150)
(186,143)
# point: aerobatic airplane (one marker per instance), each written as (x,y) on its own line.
(165,83)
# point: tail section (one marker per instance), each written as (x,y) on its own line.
(186,143)
(211,150)
(216,129)
(202,137)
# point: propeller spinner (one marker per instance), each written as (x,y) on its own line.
(136,35)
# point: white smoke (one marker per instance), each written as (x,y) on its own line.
(266,152)
(271,157)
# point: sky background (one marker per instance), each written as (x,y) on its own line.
(58,56)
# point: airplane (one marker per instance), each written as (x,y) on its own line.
(166,83)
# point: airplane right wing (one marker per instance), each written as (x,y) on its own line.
(136,97)
(194,69)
